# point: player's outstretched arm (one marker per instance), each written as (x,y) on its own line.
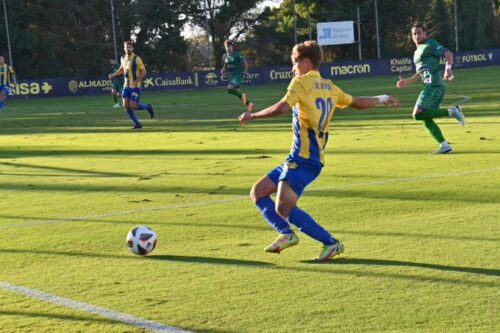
(362,102)
(402,82)
(271,111)
(245,67)
(115,74)
(448,74)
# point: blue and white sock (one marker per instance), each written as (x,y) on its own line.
(267,208)
(307,225)
(132,116)
(143,106)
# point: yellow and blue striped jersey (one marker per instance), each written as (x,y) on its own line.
(313,100)
(133,67)
(6,73)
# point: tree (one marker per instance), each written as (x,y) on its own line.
(223,19)
(155,26)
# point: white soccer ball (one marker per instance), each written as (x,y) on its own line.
(141,240)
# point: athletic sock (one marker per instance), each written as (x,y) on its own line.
(143,106)
(267,208)
(115,98)
(235,92)
(1,104)
(434,130)
(132,116)
(307,225)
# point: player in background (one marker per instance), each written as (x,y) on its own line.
(426,59)
(237,67)
(313,101)
(134,72)
(7,79)
(117,83)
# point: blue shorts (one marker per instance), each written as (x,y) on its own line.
(298,174)
(133,94)
(5,89)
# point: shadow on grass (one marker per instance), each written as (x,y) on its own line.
(324,267)
(69,170)
(408,195)
(259,225)
(186,259)
(397,263)
(210,260)
(460,238)
(31,314)
(187,153)
(84,319)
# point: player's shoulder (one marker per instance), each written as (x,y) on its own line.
(432,42)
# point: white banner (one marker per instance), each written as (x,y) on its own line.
(335,33)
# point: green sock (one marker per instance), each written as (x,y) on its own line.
(434,130)
(431,114)
(115,98)
(235,92)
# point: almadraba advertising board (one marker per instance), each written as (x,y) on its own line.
(78,86)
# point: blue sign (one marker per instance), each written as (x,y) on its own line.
(95,85)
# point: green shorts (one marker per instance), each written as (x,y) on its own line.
(236,80)
(430,97)
(118,86)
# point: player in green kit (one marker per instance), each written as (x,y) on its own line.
(237,66)
(117,83)
(426,59)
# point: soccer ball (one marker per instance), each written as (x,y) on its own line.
(141,240)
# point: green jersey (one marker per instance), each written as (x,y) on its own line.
(426,59)
(119,79)
(234,63)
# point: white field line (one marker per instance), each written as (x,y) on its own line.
(32,223)
(103,312)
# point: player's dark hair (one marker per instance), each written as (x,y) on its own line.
(228,42)
(128,42)
(418,25)
(310,50)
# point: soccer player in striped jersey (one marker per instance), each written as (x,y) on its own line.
(236,66)
(426,59)
(7,79)
(134,72)
(313,101)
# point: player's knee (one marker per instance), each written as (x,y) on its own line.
(416,113)
(254,194)
(282,209)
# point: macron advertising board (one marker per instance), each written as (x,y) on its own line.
(80,86)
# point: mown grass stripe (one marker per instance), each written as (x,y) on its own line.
(101,311)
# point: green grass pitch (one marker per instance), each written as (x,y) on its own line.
(421,232)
